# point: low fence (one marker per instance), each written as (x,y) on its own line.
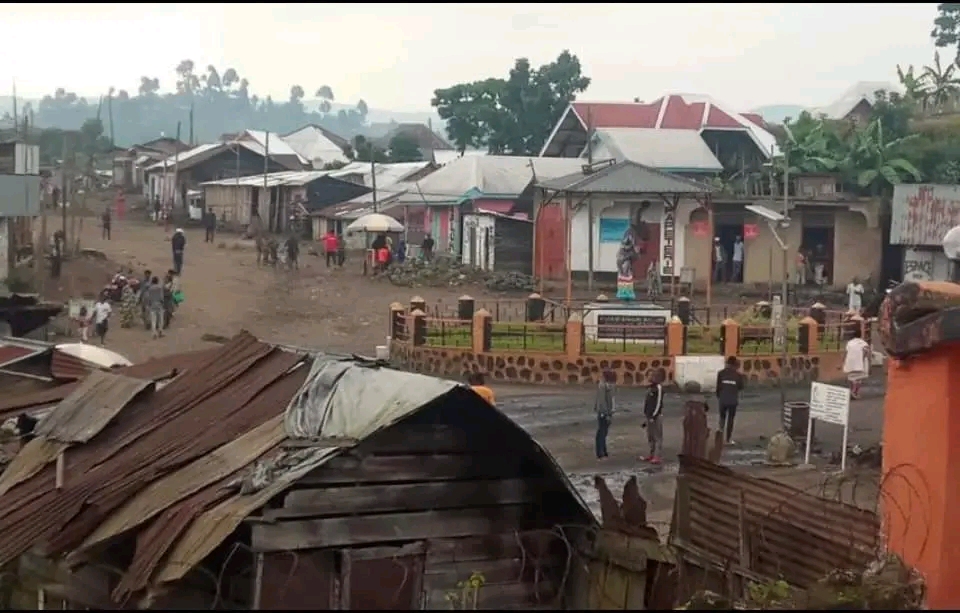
(575,352)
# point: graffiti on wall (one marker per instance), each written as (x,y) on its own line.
(923,214)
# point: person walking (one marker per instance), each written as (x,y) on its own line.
(856,362)
(105,222)
(153,300)
(426,248)
(730,382)
(603,406)
(652,413)
(101,317)
(737,276)
(330,245)
(179,243)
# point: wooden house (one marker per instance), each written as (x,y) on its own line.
(497,242)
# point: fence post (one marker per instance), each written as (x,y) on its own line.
(764,309)
(683,310)
(676,337)
(396,322)
(819,314)
(418,303)
(465,305)
(419,327)
(482,332)
(535,307)
(730,338)
(573,336)
(807,335)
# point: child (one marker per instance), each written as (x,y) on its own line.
(83,324)
(478,384)
(652,412)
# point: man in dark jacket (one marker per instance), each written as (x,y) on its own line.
(209,226)
(729,385)
(652,413)
(178,242)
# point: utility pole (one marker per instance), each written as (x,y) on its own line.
(373,178)
(63,184)
(176,172)
(16,120)
(266,169)
(191,124)
(590,220)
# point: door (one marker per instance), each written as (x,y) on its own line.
(551,244)
(382,578)
(472,252)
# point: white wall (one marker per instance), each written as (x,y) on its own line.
(605,254)
(925,265)
(485,228)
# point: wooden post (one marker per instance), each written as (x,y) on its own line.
(258,581)
(567,204)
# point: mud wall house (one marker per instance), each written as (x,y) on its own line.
(697,138)
(496,183)
(921,216)
(318,146)
(19,200)
(170,178)
(498,243)
(263,477)
(275,196)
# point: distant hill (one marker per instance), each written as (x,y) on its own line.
(777,113)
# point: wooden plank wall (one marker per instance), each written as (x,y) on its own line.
(433,501)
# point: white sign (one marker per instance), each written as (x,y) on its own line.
(831,404)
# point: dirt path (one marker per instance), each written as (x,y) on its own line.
(335,310)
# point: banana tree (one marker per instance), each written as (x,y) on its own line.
(916,87)
(944,85)
(810,147)
(877,164)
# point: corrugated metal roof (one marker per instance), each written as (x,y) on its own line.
(13,353)
(315,145)
(172,469)
(90,407)
(798,536)
(666,150)
(275,145)
(922,214)
(185,156)
(626,178)
(858,92)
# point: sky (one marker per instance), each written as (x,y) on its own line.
(394,55)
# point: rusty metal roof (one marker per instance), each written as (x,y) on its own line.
(90,407)
(791,533)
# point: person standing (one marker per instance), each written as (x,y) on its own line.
(341,250)
(856,362)
(330,247)
(83,324)
(854,295)
(426,247)
(719,260)
(730,383)
(179,243)
(209,226)
(737,276)
(293,252)
(105,223)
(101,317)
(603,406)
(478,383)
(801,266)
(652,413)
(153,299)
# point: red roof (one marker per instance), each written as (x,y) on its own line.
(8,353)
(675,111)
(755,118)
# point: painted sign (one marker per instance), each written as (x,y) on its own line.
(917,265)
(630,326)
(668,243)
(700,228)
(922,214)
(830,403)
(612,229)
(751,230)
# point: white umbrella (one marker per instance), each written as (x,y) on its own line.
(375,222)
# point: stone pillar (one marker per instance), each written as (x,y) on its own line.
(764,309)
(809,343)
(573,336)
(418,321)
(730,338)
(418,303)
(676,337)
(465,305)
(482,331)
(535,307)
(819,314)
(397,316)
(684,310)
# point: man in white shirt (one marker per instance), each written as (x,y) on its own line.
(854,295)
(719,260)
(737,276)
(101,314)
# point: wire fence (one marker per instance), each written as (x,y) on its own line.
(448,333)
(528,337)
(635,340)
(704,340)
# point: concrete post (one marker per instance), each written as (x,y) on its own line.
(730,338)
(535,307)
(419,327)
(684,310)
(397,330)
(676,337)
(465,306)
(482,333)
(808,337)
(573,336)
(819,314)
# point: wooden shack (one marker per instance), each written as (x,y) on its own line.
(454,506)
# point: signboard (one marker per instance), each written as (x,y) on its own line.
(923,213)
(612,229)
(830,404)
(625,326)
(700,228)
(776,322)
(751,230)
(669,243)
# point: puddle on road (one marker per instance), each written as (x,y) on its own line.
(616,479)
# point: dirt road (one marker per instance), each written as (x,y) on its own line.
(335,310)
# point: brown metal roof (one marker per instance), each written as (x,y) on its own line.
(90,407)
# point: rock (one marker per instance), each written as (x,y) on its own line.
(781,449)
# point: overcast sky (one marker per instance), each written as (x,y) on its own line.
(395,55)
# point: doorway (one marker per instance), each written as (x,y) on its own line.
(255,203)
(728,234)
(817,243)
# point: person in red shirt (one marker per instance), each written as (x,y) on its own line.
(383,258)
(330,247)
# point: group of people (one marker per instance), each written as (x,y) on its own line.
(730,382)
(721,261)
